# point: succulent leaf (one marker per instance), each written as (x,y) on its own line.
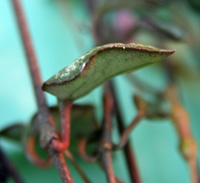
(101,64)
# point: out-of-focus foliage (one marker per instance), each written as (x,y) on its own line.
(161,23)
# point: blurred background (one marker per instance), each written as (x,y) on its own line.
(63,30)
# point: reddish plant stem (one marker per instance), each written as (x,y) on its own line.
(73,161)
(129,155)
(182,124)
(83,153)
(47,129)
(107,161)
(59,161)
(117,179)
(106,145)
(33,68)
(30,54)
(127,131)
(65,110)
(8,167)
(187,144)
(32,155)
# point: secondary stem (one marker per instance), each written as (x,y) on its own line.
(46,122)
(32,155)
(106,139)
(182,124)
(65,110)
(126,133)
(60,164)
(133,172)
(71,158)
(30,54)
(47,129)
(117,179)
(83,153)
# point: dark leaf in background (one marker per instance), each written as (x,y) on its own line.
(163,28)
(195,4)
(13,132)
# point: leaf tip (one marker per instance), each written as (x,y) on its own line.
(172,51)
(44,86)
(168,52)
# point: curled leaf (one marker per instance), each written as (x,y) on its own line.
(153,110)
(140,102)
(100,64)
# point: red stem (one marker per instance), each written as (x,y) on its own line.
(46,126)
(65,109)
(32,155)
(129,155)
(125,135)
(30,54)
(106,139)
(59,161)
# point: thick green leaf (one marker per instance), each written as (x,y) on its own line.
(81,115)
(99,65)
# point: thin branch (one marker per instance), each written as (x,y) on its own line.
(70,157)
(107,161)
(194,171)
(180,117)
(85,157)
(141,106)
(32,155)
(83,153)
(30,54)
(125,135)
(188,145)
(116,178)
(106,145)
(65,110)
(47,126)
(119,180)
(44,116)
(60,164)
(133,172)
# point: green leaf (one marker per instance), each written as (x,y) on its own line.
(81,115)
(83,123)
(100,64)
(13,132)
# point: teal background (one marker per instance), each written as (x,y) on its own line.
(55,39)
